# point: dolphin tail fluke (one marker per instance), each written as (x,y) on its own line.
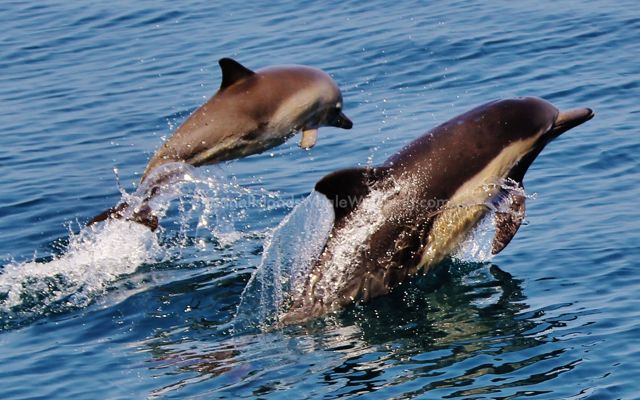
(143,215)
(158,181)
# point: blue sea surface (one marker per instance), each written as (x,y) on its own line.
(89,90)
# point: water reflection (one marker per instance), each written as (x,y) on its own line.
(463,324)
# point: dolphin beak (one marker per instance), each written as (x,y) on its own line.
(570,119)
(564,121)
(341,121)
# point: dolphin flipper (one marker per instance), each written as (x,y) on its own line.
(508,222)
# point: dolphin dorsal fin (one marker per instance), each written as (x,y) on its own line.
(232,72)
(508,222)
(346,188)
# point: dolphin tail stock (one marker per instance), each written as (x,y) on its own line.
(152,184)
(143,215)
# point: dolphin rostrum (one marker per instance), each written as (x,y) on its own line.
(250,113)
(397,220)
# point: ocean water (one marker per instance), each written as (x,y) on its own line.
(89,90)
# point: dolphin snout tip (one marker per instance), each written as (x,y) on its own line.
(588,113)
(591,113)
(571,118)
(345,122)
(576,115)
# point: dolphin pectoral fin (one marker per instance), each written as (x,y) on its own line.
(346,188)
(508,222)
(232,72)
(309,138)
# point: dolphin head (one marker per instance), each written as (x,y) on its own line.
(288,99)
(501,139)
(476,162)
(320,104)
(330,106)
(330,113)
(554,124)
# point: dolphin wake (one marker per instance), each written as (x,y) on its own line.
(93,259)
(198,214)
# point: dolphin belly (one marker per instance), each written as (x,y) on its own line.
(449,230)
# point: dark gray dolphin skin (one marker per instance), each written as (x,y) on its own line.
(403,217)
(250,113)
(253,112)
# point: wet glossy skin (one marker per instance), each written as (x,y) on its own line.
(432,199)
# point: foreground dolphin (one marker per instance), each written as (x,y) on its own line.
(400,219)
(251,112)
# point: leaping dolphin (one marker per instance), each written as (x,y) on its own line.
(253,112)
(250,113)
(403,217)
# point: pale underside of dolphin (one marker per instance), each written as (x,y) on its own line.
(427,198)
(251,112)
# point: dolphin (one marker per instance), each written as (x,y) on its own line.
(253,112)
(250,113)
(401,218)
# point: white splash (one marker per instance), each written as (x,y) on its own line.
(94,258)
(295,245)
(288,256)
(476,247)
(101,254)
(352,240)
